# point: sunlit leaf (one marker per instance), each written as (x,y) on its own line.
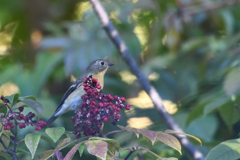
(55,133)
(97,148)
(170,141)
(149,134)
(174,132)
(225,151)
(31,141)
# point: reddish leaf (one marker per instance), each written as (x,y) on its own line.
(97,148)
(149,134)
(58,155)
(170,141)
(71,153)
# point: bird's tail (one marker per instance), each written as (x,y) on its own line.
(51,120)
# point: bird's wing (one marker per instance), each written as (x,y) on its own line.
(78,83)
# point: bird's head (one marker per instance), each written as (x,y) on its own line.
(99,66)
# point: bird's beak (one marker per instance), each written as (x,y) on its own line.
(110,64)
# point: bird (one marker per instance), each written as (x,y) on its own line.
(72,100)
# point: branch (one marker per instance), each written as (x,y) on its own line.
(150,90)
(133,149)
(9,151)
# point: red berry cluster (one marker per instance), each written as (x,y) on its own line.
(19,119)
(97,108)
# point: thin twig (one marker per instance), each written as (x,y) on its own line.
(9,151)
(150,90)
(133,149)
(116,131)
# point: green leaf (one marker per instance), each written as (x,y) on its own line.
(23,151)
(204,127)
(29,97)
(47,154)
(36,106)
(5,155)
(3,110)
(149,134)
(5,136)
(13,98)
(225,151)
(129,129)
(63,142)
(81,149)
(196,112)
(170,141)
(55,133)
(97,148)
(31,141)
(229,114)
(49,140)
(71,153)
(215,104)
(174,132)
(231,82)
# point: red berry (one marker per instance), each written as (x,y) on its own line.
(123,99)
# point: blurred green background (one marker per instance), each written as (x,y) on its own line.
(189,49)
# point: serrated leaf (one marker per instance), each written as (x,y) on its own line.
(36,106)
(47,154)
(97,148)
(63,142)
(31,141)
(81,149)
(129,129)
(174,132)
(71,153)
(225,151)
(170,141)
(149,134)
(49,140)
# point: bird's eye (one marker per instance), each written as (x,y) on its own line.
(102,63)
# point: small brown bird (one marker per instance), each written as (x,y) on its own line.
(72,98)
